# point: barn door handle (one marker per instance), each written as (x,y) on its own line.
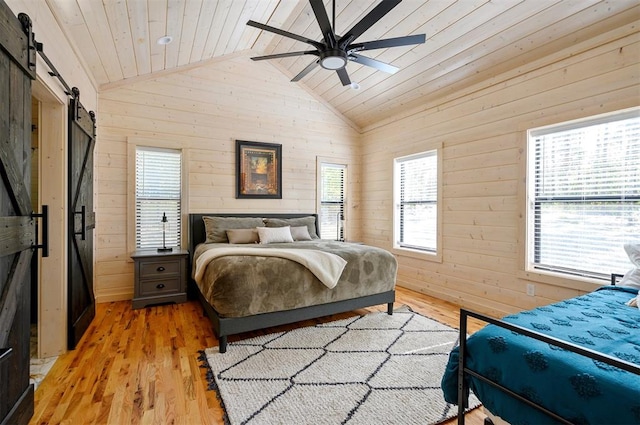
(83,219)
(45,231)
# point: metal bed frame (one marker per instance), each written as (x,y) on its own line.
(463,370)
(225,326)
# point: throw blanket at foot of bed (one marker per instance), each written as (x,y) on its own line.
(325,266)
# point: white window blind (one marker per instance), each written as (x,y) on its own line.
(332,200)
(586,195)
(158,192)
(417,201)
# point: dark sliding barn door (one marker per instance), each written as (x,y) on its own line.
(17,231)
(81,302)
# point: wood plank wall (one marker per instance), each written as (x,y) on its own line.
(205,110)
(483,134)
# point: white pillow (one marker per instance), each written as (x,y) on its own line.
(300,233)
(635,301)
(632,277)
(274,234)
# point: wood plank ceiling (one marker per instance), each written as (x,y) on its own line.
(468,41)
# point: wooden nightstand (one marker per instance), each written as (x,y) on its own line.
(160,277)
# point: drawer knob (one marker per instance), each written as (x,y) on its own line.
(160,269)
(160,285)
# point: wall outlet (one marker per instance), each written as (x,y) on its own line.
(531,289)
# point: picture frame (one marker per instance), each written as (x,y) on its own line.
(258,170)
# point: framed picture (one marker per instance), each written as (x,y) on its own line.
(258,170)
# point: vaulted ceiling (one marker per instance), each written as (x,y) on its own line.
(468,41)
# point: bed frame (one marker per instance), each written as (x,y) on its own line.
(225,326)
(463,388)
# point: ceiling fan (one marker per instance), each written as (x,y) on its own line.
(334,51)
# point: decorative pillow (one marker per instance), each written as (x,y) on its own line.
(243,236)
(632,277)
(216,227)
(309,221)
(300,233)
(274,234)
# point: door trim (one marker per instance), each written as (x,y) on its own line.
(52,296)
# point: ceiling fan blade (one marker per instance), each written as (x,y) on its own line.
(387,42)
(363,60)
(285,33)
(344,76)
(305,71)
(365,23)
(323,22)
(285,55)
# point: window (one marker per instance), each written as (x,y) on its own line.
(416,202)
(158,192)
(332,200)
(584,195)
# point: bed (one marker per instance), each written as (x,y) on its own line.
(245,286)
(574,362)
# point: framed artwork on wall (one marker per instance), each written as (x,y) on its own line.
(258,170)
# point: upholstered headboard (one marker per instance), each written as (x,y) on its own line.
(197,233)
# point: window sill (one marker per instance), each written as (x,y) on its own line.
(415,253)
(580,283)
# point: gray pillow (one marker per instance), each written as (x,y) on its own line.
(216,227)
(300,233)
(309,221)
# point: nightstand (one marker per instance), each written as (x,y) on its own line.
(160,277)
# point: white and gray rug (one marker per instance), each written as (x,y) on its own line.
(372,369)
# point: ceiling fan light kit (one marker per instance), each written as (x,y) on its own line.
(334,52)
(333,60)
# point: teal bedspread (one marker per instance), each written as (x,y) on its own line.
(576,388)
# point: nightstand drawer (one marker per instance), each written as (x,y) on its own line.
(159,287)
(159,269)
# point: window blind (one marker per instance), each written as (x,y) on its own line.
(158,192)
(586,195)
(332,200)
(418,201)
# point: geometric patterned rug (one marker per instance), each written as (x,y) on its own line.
(372,369)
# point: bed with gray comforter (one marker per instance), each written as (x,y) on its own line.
(245,287)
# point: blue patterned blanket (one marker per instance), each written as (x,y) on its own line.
(577,388)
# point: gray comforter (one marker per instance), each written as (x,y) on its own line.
(239,286)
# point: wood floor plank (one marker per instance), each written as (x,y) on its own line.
(141,366)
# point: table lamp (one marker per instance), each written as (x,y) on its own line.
(165,223)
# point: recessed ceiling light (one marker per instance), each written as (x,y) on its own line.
(165,40)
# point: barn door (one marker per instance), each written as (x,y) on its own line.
(17,232)
(81,219)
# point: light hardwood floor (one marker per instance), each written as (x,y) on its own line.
(141,366)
